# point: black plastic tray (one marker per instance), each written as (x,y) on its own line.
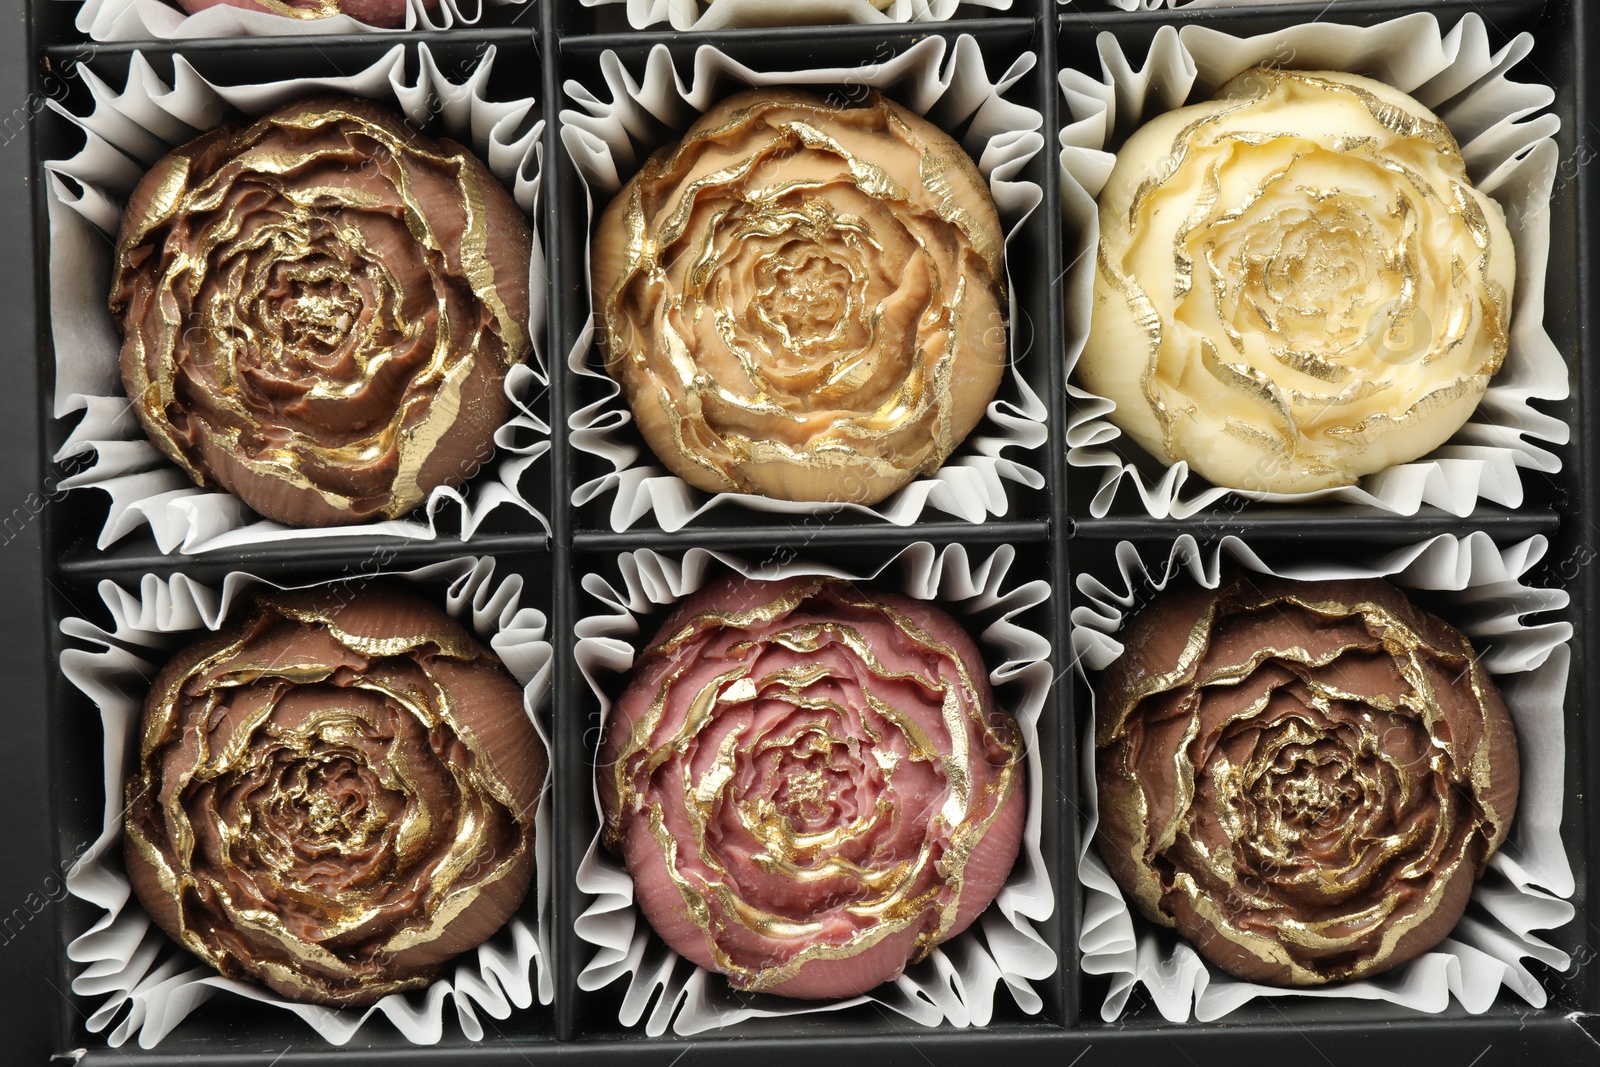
(49,567)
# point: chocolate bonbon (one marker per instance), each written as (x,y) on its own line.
(319,310)
(1297,284)
(1303,778)
(334,795)
(810,784)
(803,299)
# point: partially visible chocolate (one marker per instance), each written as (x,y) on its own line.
(388,14)
(319,310)
(1304,778)
(334,795)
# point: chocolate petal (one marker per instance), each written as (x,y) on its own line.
(389,14)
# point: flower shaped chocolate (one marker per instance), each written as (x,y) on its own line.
(1297,285)
(318,311)
(811,786)
(334,796)
(1304,778)
(803,300)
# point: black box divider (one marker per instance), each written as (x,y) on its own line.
(33,964)
(1062,838)
(1580,538)
(49,567)
(82,564)
(565,309)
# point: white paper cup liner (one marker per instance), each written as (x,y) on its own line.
(728,14)
(145,983)
(957,983)
(1506,135)
(950,86)
(140,20)
(127,132)
(1528,879)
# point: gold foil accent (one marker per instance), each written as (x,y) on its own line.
(314,9)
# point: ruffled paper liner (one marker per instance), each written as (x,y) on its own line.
(729,14)
(128,131)
(141,20)
(1524,888)
(948,85)
(1506,137)
(149,984)
(957,983)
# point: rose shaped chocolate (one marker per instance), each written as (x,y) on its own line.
(803,300)
(1297,284)
(319,309)
(334,795)
(390,14)
(1304,778)
(810,785)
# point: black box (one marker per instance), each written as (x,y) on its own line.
(51,786)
